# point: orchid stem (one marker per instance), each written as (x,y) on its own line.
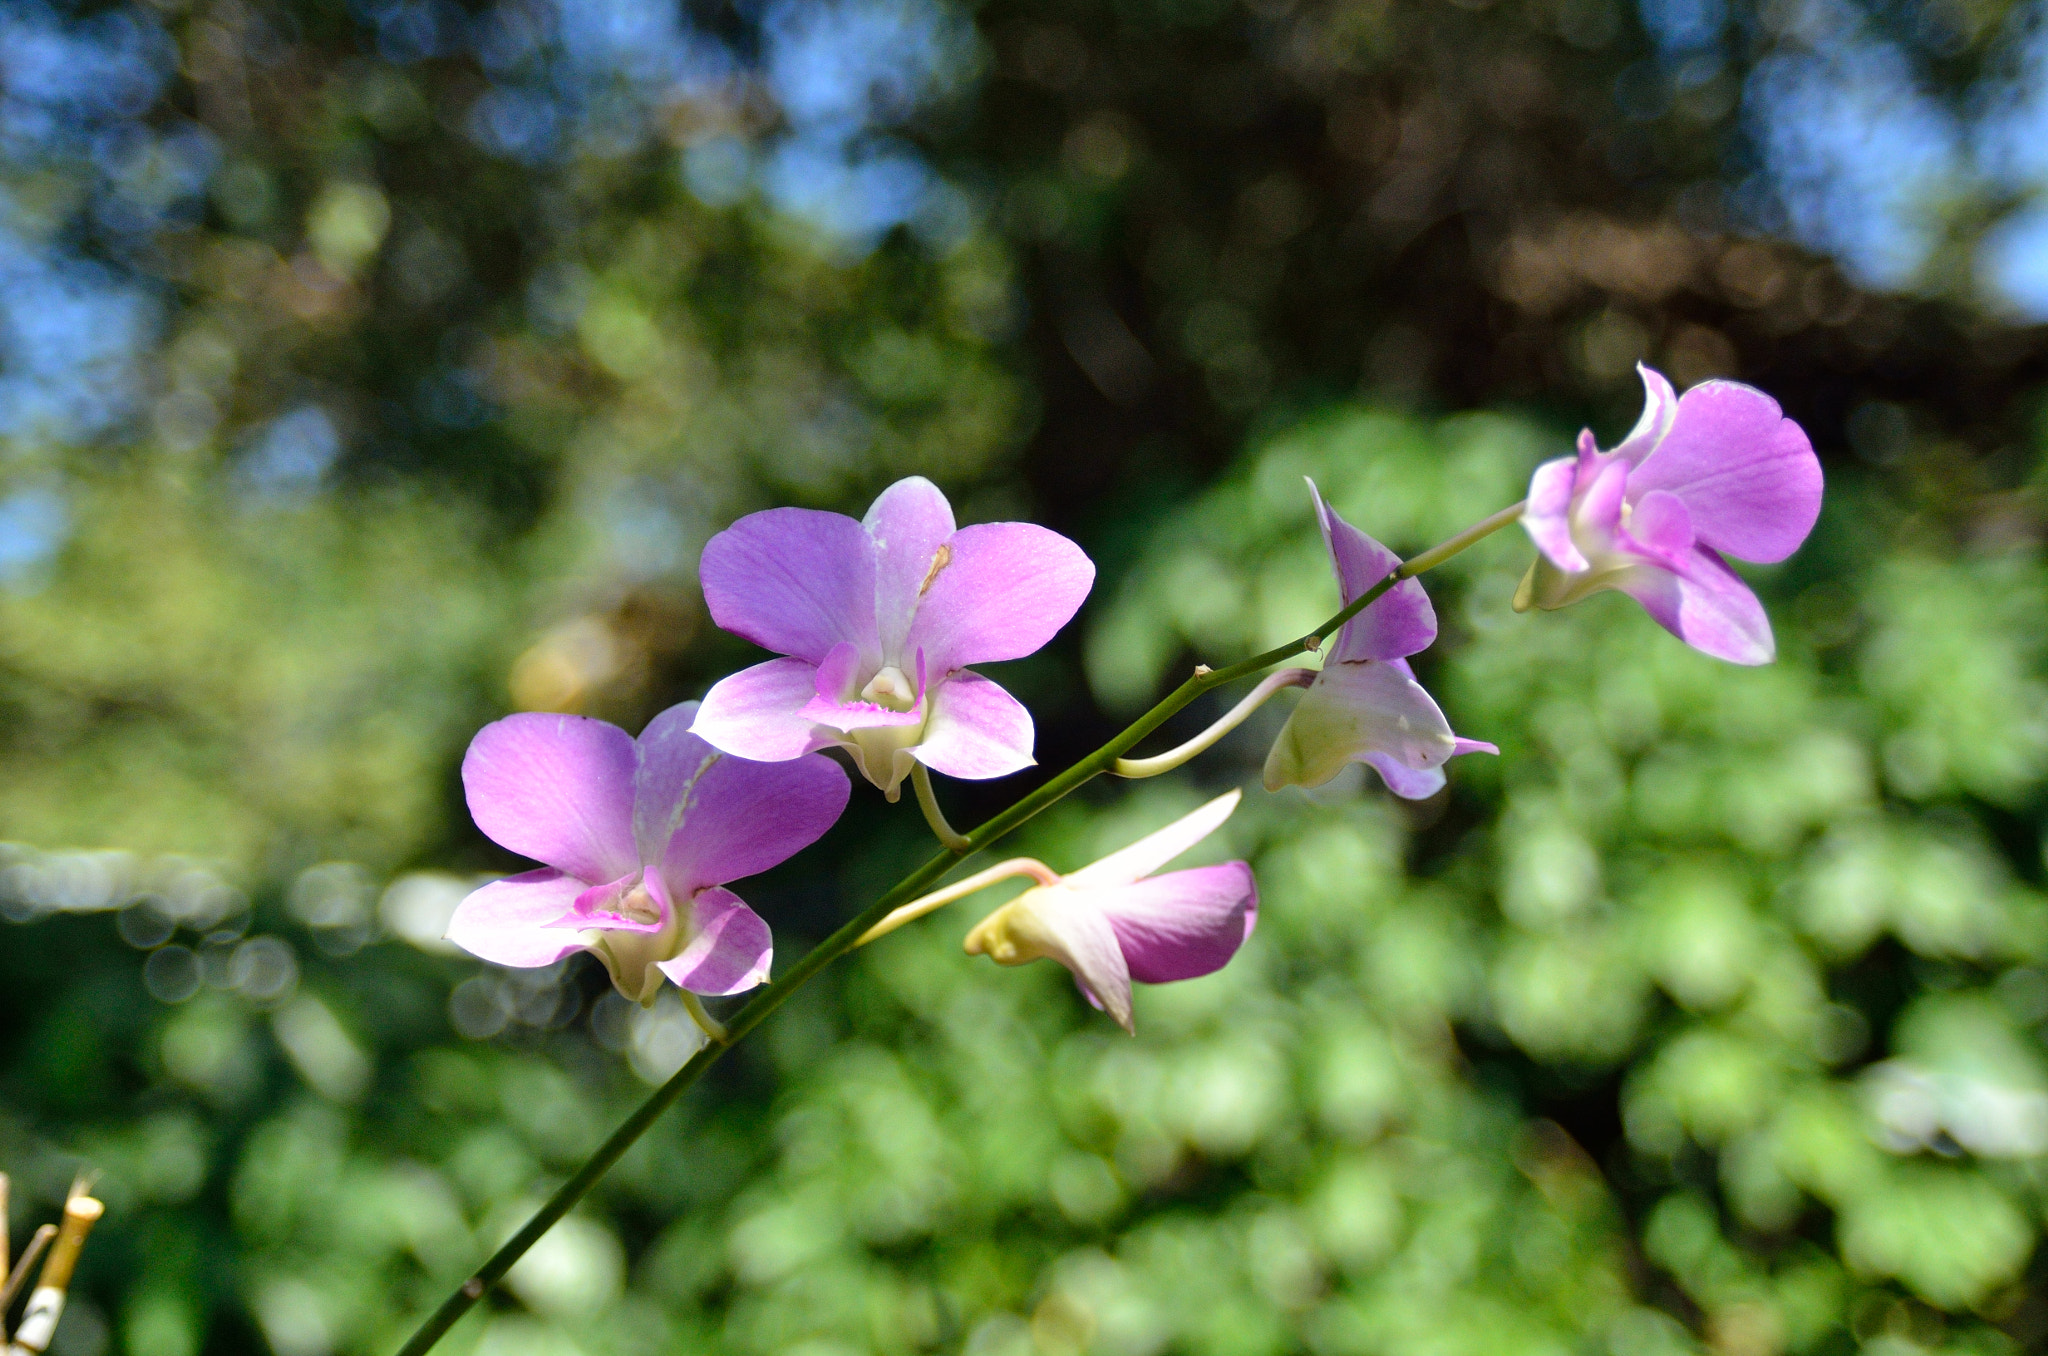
(1479,531)
(909,891)
(921,778)
(1253,700)
(981,880)
(708,1024)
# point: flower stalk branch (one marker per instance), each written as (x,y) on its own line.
(768,997)
(980,880)
(921,781)
(1253,700)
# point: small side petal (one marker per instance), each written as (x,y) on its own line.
(1747,474)
(1071,928)
(1353,710)
(908,523)
(1661,527)
(506,921)
(1400,621)
(1184,924)
(757,713)
(1157,848)
(838,677)
(1708,607)
(558,789)
(1406,782)
(730,950)
(1660,410)
(744,817)
(1547,517)
(976,730)
(796,581)
(1005,590)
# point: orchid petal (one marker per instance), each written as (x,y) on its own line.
(1157,848)
(743,817)
(1004,590)
(1660,411)
(556,788)
(507,921)
(1400,621)
(602,906)
(1547,516)
(1406,782)
(730,950)
(1184,924)
(1661,526)
(1598,512)
(1352,710)
(1747,474)
(1068,926)
(1707,606)
(909,523)
(795,581)
(976,730)
(757,713)
(838,675)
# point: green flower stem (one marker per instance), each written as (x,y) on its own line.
(769,997)
(921,779)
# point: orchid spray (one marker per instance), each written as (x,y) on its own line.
(874,625)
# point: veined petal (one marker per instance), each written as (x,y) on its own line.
(743,817)
(730,948)
(1547,517)
(670,759)
(1400,621)
(1708,607)
(757,713)
(976,730)
(1004,590)
(1068,926)
(1747,474)
(1352,710)
(558,789)
(506,922)
(909,522)
(796,581)
(1157,848)
(1660,411)
(1184,924)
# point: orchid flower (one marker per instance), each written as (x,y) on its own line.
(1365,705)
(1721,469)
(639,838)
(1112,922)
(878,620)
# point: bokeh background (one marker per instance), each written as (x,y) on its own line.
(371,369)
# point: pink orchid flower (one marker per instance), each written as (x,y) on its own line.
(1365,705)
(879,619)
(1112,923)
(639,838)
(1721,469)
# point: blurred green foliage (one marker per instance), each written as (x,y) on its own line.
(1708,1017)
